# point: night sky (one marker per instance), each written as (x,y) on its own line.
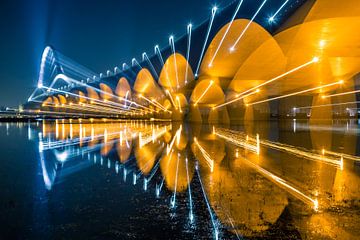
(98,34)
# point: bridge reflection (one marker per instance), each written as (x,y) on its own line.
(251,175)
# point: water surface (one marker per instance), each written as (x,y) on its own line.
(106,179)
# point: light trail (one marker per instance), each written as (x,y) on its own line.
(94,107)
(75,141)
(206,155)
(67,65)
(125,66)
(203,94)
(144,140)
(237,140)
(285,185)
(236,136)
(71,152)
(52,62)
(296,93)
(343,155)
(154,170)
(159,187)
(152,174)
(135,62)
(341,94)
(226,32)
(121,106)
(56,113)
(68,79)
(216,231)
(126,97)
(314,60)
(213,12)
(145,184)
(247,26)
(272,18)
(328,105)
(44,57)
(116,70)
(145,57)
(236,99)
(134,178)
(158,52)
(172,45)
(178,101)
(176,137)
(171,98)
(301,153)
(89,108)
(124,174)
(191,214)
(189,28)
(154,103)
(173,199)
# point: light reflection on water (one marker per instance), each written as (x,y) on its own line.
(261,179)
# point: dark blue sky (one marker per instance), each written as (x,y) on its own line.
(99,34)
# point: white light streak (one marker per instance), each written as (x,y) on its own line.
(273,17)
(281,182)
(206,155)
(314,60)
(172,45)
(236,99)
(145,57)
(247,26)
(157,51)
(328,105)
(295,93)
(341,94)
(226,32)
(203,94)
(216,231)
(191,214)
(213,12)
(189,28)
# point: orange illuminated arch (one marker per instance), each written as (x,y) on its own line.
(173,74)
(92,94)
(173,168)
(106,92)
(146,85)
(206,95)
(226,63)
(62,99)
(123,88)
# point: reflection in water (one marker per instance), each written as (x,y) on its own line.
(250,179)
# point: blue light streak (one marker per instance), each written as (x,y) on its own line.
(189,28)
(213,12)
(273,17)
(247,26)
(191,215)
(216,231)
(145,57)
(226,32)
(135,62)
(173,199)
(158,52)
(172,44)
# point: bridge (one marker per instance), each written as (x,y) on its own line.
(282,59)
